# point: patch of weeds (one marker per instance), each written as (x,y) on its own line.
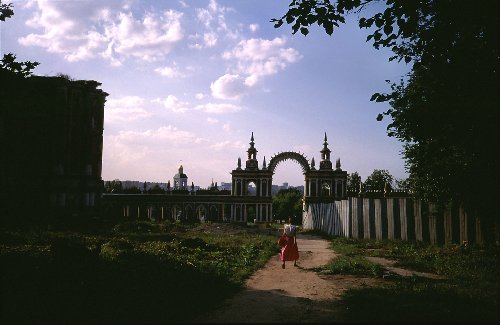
(470,293)
(354,265)
(116,249)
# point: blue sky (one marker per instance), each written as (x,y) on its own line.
(190,80)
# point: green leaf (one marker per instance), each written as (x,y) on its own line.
(328,25)
(380,117)
(374,96)
(304,31)
(388,29)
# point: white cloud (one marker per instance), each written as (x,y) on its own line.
(149,39)
(170,71)
(253,27)
(220,145)
(227,126)
(224,145)
(125,109)
(82,30)
(213,20)
(139,146)
(210,39)
(199,96)
(218,108)
(212,120)
(229,86)
(169,134)
(256,58)
(174,104)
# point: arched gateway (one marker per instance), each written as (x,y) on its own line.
(323,185)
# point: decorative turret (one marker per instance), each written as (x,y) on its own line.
(239,164)
(313,164)
(252,163)
(180,179)
(337,164)
(325,162)
(264,165)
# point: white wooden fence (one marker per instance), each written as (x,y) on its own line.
(393,218)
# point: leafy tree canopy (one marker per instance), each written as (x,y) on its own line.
(9,67)
(353,182)
(114,186)
(378,180)
(288,203)
(6,11)
(446,110)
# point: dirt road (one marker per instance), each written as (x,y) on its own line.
(293,294)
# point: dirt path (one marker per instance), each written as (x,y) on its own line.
(293,294)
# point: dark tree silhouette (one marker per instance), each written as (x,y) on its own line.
(115,186)
(6,11)
(377,180)
(353,182)
(9,67)
(446,110)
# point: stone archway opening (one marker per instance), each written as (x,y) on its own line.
(288,173)
(251,188)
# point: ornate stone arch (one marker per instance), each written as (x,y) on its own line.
(282,156)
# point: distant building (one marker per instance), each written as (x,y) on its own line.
(180,180)
(51,130)
(225,186)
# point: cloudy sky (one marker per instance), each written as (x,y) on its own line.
(189,81)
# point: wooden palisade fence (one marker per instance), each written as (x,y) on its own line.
(393,218)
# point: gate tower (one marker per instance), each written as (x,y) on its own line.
(325,185)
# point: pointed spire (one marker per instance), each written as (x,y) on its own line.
(313,164)
(252,162)
(325,156)
(264,165)
(212,182)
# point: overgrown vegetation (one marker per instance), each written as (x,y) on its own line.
(132,272)
(470,292)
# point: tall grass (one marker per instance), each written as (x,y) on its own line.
(134,272)
(470,292)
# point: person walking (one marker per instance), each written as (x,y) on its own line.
(290,251)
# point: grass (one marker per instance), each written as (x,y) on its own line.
(470,292)
(131,272)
